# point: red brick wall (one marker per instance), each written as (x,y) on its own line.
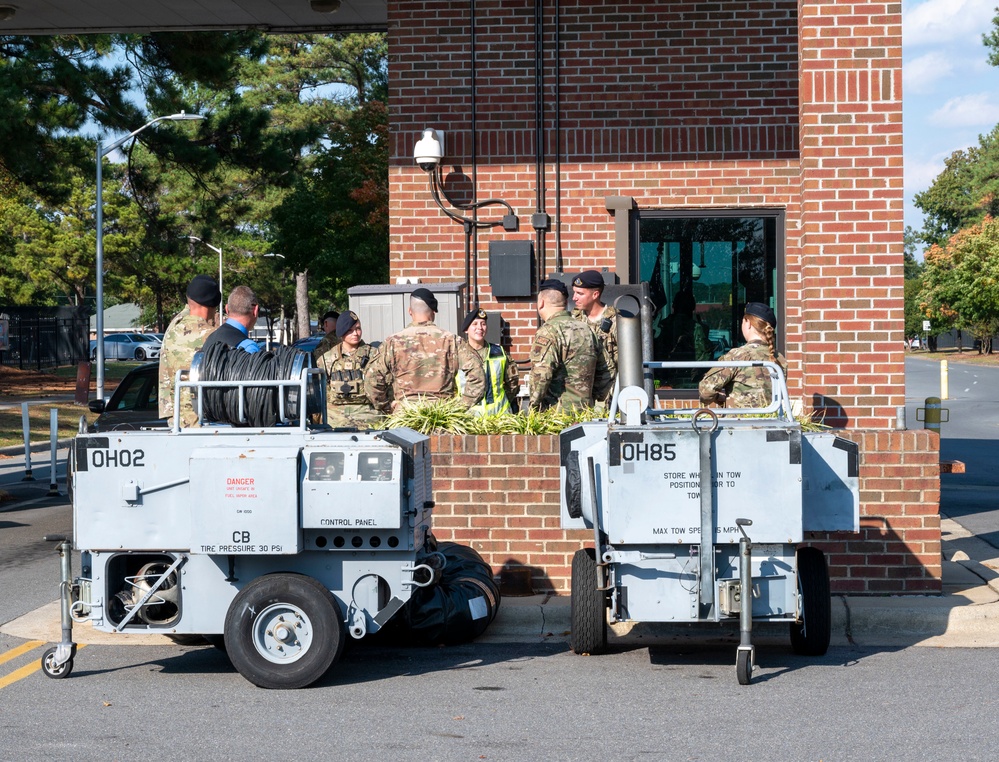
(500,495)
(789,104)
(778,104)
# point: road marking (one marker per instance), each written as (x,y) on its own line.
(27,669)
(21,649)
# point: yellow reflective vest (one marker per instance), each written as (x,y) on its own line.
(495,399)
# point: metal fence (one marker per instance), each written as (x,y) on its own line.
(44,337)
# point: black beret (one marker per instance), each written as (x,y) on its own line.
(205,291)
(467,322)
(346,322)
(589,279)
(553,284)
(426,295)
(763,312)
(329,315)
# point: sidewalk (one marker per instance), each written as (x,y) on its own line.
(965,615)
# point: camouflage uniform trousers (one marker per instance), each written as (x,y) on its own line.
(566,360)
(422,361)
(184,336)
(740,387)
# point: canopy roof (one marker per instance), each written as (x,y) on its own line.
(93,16)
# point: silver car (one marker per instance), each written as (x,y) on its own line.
(127,346)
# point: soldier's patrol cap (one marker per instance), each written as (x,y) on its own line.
(346,322)
(426,295)
(329,315)
(467,322)
(589,279)
(763,312)
(553,284)
(205,291)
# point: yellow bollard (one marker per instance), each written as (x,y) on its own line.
(943,380)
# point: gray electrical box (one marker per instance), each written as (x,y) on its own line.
(510,266)
(383,309)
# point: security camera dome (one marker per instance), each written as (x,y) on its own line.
(429,150)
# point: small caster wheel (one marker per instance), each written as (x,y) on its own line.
(53,670)
(744,666)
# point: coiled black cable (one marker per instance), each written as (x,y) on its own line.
(261,406)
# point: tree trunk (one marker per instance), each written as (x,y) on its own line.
(302,304)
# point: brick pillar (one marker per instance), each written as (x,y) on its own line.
(851,210)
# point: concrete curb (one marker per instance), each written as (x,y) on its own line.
(861,621)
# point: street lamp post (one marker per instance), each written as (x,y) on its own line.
(103,149)
(217,250)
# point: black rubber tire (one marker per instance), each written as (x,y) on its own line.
(312,652)
(587,606)
(810,637)
(50,670)
(744,666)
(93,355)
(140,354)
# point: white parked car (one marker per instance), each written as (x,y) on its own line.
(127,346)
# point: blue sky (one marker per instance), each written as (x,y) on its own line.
(950,92)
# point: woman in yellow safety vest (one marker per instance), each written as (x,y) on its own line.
(502,381)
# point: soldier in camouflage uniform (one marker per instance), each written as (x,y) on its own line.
(587,288)
(184,336)
(746,387)
(422,360)
(502,379)
(347,404)
(567,364)
(330,340)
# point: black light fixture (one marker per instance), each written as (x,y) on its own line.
(325,6)
(7,12)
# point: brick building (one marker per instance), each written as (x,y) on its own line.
(737,151)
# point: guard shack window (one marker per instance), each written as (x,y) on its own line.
(702,269)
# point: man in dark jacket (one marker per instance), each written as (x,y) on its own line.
(241,310)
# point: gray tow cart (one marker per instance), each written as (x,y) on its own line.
(280,541)
(699,516)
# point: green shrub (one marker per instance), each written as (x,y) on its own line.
(449,417)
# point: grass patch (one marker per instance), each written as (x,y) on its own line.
(38,420)
(114,370)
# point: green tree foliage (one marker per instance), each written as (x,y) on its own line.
(912,284)
(964,193)
(287,115)
(960,286)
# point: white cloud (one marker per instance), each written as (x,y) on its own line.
(975,110)
(936,22)
(920,174)
(920,74)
